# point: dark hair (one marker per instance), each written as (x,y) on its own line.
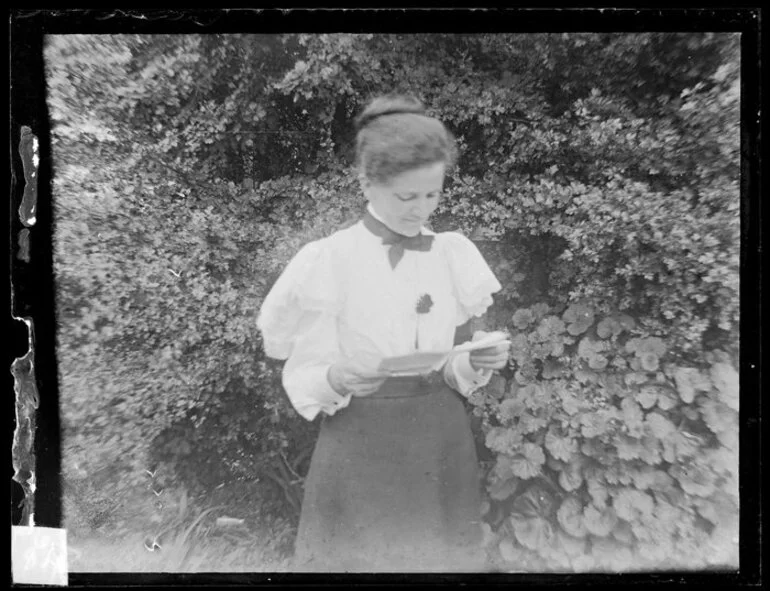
(395,135)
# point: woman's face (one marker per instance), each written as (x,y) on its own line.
(406,201)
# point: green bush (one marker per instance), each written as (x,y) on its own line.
(611,450)
(599,175)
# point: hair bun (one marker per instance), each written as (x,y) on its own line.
(389,105)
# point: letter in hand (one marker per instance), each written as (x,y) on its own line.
(495,357)
(357,376)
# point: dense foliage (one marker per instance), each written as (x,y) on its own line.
(599,175)
(611,451)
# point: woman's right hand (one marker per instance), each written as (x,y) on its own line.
(357,376)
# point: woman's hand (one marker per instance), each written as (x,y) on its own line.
(490,358)
(357,376)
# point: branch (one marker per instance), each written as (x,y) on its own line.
(183,174)
(301,457)
(288,494)
(290,468)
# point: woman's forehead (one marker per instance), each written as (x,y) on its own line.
(419,179)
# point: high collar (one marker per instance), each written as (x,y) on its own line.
(396,243)
(423,230)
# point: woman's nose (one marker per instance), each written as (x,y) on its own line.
(423,206)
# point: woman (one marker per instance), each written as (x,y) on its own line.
(393,483)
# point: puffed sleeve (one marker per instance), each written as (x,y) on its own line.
(298,322)
(307,284)
(474,283)
(473,280)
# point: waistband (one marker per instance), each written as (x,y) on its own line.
(408,386)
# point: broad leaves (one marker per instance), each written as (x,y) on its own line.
(535,533)
(648,477)
(596,424)
(612,326)
(578,318)
(510,410)
(528,462)
(682,444)
(722,460)
(503,441)
(694,479)
(502,482)
(500,490)
(530,423)
(531,517)
(721,420)
(523,318)
(598,491)
(571,519)
(599,522)
(560,447)
(647,396)
(496,387)
(725,379)
(595,352)
(536,500)
(690,381)
(629,448)
(632,504)
(628,437)
(571,476)
(632,417)
(649,345)
(659,426)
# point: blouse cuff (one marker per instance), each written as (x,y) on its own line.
(461,376)
(323,397)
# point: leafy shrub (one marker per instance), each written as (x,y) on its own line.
(612,450)
(599,175)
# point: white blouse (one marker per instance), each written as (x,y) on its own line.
(339,297)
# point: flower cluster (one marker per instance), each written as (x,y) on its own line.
(424,304)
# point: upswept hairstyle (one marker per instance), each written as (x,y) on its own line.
(394,135)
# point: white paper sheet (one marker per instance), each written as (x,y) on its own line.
(423,362)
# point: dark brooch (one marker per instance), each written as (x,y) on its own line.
(424,304)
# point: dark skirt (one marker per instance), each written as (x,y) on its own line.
(393,486)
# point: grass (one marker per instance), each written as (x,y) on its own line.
(115,534)
(183,536)
(128,554)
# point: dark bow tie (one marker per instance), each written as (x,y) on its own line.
(398,242)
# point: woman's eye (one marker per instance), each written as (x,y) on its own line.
(413,196)
(407,196)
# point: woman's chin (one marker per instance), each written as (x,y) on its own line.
(410,229)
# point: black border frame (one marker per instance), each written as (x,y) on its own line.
(33,284)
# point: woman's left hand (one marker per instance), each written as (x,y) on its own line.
(490,358)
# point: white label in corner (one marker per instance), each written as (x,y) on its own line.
(39,555)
